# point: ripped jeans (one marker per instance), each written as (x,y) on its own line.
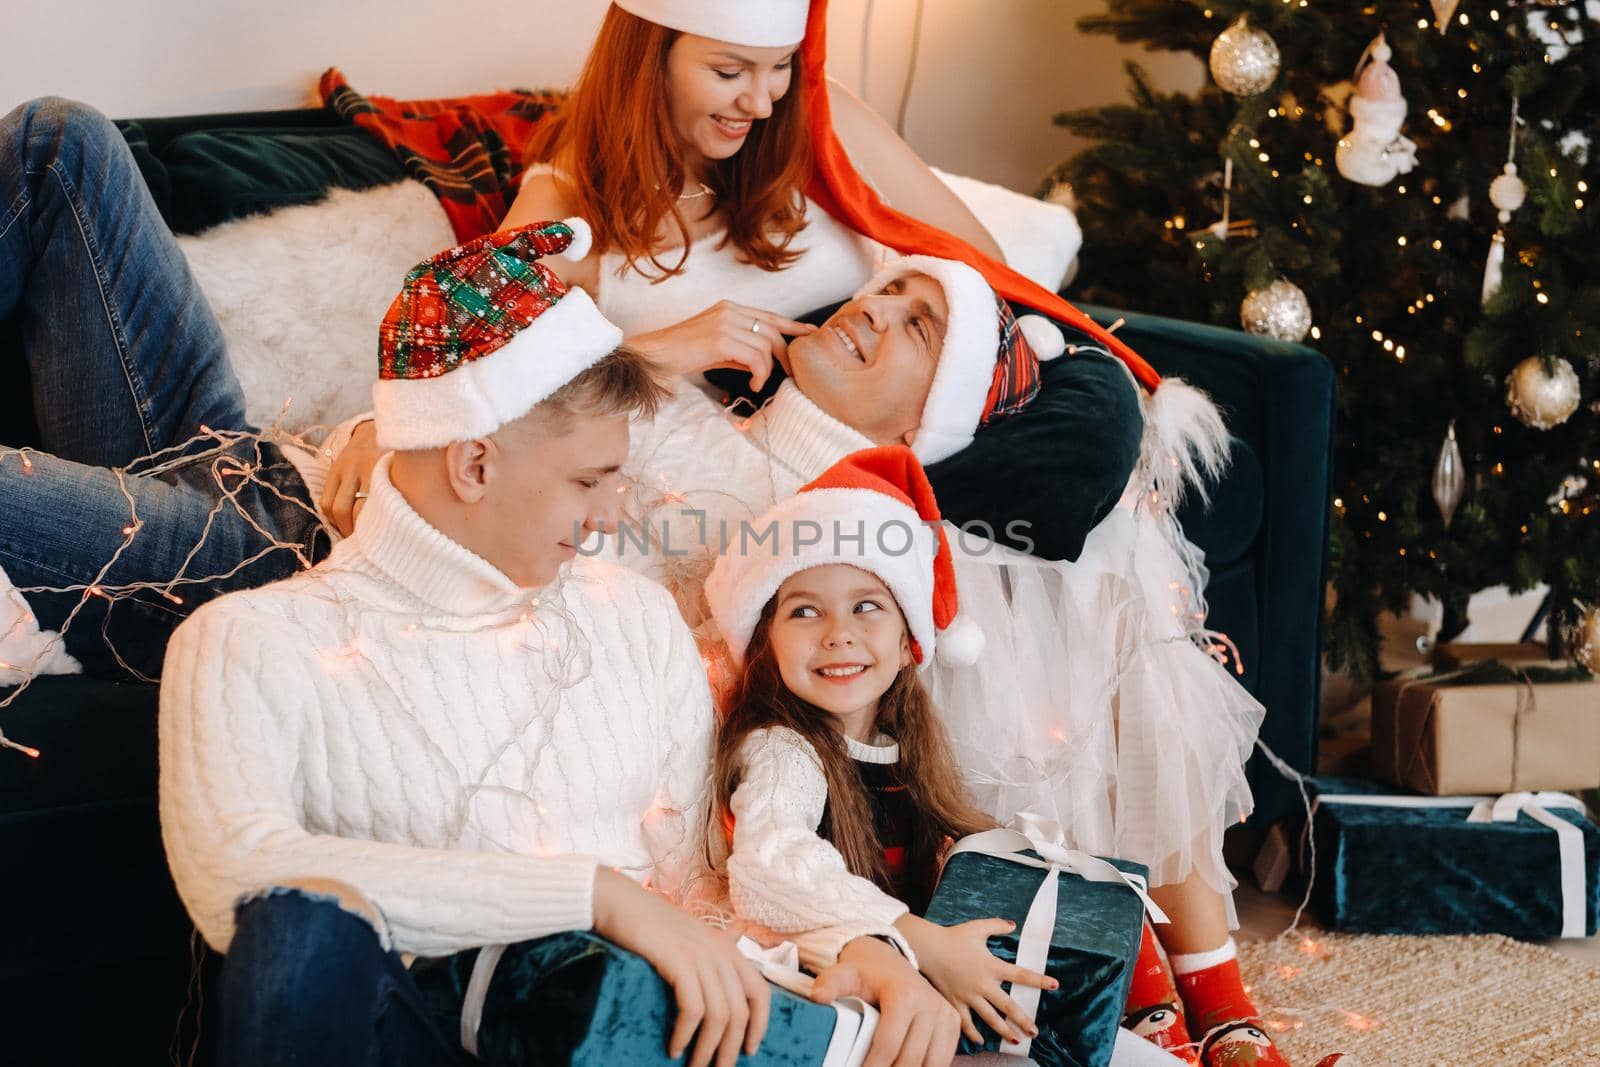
(306,981)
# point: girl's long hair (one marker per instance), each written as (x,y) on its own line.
(614,138)
(927,769)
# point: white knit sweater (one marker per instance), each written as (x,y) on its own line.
(781,873)
(405,719)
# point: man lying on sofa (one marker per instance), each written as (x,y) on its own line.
(127,360)
(396,751)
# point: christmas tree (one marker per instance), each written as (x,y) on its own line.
(1379,211)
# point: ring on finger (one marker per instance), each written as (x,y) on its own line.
(362,495)
(755,326)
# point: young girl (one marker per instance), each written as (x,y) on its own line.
(832,770)
(834,777)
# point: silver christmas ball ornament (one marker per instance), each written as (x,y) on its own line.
(1279,311)
(1244,61)
(1539,398)
(1586,640)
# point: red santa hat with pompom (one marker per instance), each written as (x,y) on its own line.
(483,332)
(875,510)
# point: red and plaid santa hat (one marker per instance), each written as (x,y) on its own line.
(989,365)
(752,23)
(481,333)
(875,510)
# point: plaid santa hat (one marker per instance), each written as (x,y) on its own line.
(875,510)
(481,333)
(989,366)
(752,23)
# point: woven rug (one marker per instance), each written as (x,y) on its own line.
(1424,1000)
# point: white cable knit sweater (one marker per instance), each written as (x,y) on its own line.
(782,874)
(405,719)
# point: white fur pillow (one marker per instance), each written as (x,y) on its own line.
(300,292)
(1040,239)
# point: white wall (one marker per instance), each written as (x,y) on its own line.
(989,75)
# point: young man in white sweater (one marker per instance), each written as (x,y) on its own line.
(454,733)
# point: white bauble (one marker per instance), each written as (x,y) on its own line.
(1280,310)
(1542,399)
(1244,61)
(1507,192)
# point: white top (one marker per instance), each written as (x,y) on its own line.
(405,719)
(836,262)
(781,873)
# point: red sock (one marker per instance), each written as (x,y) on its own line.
(1154,1011)
(1213,992)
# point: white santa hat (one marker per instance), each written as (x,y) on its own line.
(989,365)
(481,333)
(752,23)
(874,510)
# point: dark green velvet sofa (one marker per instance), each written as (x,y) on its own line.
(96,958)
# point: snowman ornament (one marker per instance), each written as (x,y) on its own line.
(1375,150)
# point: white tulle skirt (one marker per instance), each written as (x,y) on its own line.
(1096,702)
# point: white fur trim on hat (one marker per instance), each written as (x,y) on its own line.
(954,407)
(582,239)
(1044,336)
(477,398)
(752,23)
(895,544)
(961,643)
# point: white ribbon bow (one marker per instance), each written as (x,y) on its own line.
(1045,837)
(856,1019)
(1506,808)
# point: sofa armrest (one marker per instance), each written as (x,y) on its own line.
(1278,399)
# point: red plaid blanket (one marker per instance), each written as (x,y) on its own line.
(468,149)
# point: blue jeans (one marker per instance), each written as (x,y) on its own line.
(307,982)
(126,360)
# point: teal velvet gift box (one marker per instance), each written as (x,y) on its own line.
(1093,946)
(578,999)
(1392,864)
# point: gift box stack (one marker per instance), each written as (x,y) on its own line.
(1471,825)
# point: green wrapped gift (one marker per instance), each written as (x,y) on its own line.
(578,999)
(1079,919)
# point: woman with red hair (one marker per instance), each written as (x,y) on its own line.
(687,143)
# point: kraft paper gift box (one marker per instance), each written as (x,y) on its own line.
(577,999)
(1488,728)
(1090,936)
(1386,863)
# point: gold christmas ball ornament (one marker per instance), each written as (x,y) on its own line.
(1244,61)
(1540,398)
(1586,640)
(1279,311)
